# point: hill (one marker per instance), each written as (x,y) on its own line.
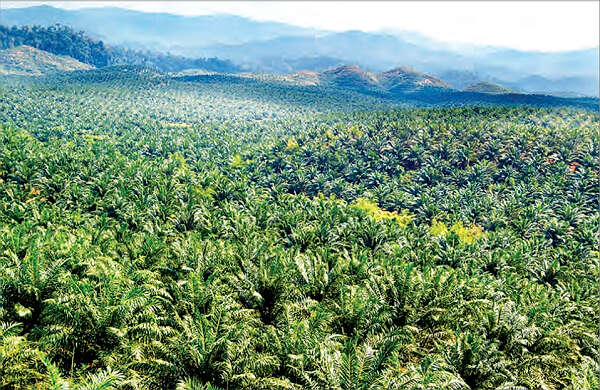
(63,40)
(405,79)
(487,87)
(261,46)
(352,82)
(373,51)
(28,61)
(304,77)
(378,52)
(398,80)
(349,76)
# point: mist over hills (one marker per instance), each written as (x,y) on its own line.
(487,87)
(153,31)
(272,47)
(64,41)
(576,71)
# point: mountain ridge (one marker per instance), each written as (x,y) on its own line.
(273,47)
(487,87)
(396,80)
(153,30)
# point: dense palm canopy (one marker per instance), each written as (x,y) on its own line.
(161,234)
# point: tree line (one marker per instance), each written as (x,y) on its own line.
(63,40)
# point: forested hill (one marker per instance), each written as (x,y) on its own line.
(63,40)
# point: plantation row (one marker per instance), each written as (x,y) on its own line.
(154,237)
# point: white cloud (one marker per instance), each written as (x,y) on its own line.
(544,26)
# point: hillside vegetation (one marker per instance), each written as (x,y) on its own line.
(487,87)
(64,41)
(26,60)
(270,47)
(218,232)
(402,79)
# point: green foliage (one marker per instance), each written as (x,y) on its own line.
(20,361)
(63,40)
(400,249)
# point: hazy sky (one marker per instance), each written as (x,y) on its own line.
(536,25)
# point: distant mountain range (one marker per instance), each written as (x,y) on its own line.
(575,70)
(405,86)
(153,31)
(562,86)
(282,48)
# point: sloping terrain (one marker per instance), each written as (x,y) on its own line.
(379,52)
(346,89)
(398,80)
(29,61)
(487,87)
(349,76)
(460,79)
(408,86)
(263,46)
(304,77)
(409,79)
(64,40)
